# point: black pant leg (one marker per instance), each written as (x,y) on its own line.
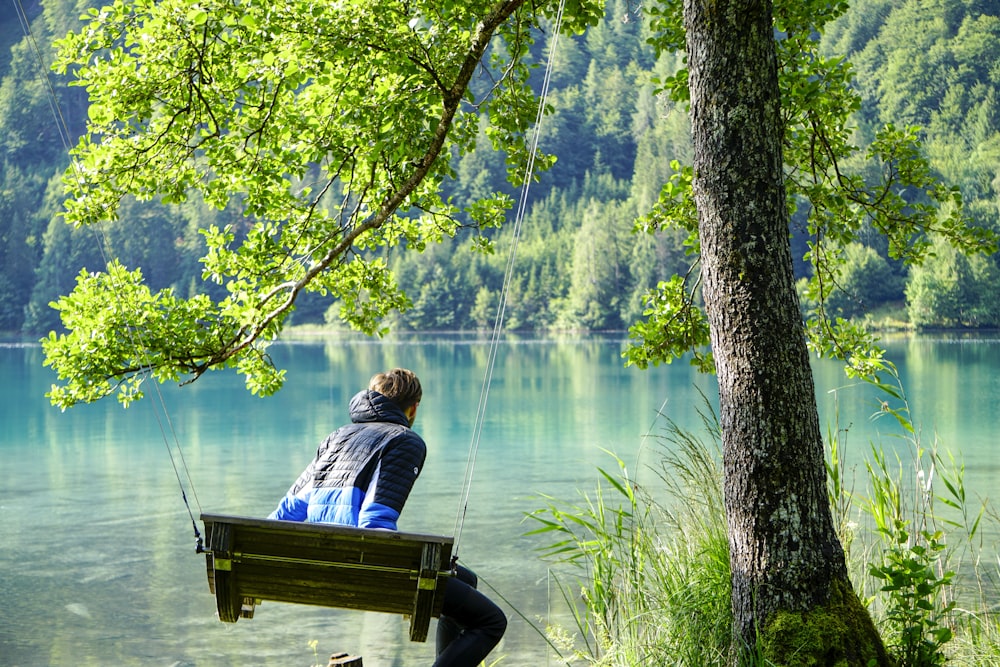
(470,624)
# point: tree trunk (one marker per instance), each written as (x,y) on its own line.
(791,593)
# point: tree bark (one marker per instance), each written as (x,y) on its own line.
(789,576)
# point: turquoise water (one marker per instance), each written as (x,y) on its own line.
(97,561)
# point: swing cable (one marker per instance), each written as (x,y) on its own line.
(505,289)
(178,462)
(162,416)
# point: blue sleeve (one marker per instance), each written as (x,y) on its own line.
(295,505)
(378,516)
(291,508)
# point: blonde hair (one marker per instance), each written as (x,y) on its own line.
(399,384)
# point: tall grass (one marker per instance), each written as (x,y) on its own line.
(652,584)
(649,578)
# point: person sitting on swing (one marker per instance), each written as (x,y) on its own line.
(362,475)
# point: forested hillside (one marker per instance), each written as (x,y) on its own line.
(931,63)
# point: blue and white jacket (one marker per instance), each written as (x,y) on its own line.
(362,473)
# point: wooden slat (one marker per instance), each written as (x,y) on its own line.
(326,565)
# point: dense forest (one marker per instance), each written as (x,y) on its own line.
(582,262)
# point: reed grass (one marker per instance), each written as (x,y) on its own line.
(645,567)
(651,585)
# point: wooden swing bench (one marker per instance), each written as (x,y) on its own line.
(250,560)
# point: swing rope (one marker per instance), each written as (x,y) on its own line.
(505,289)
(167,431)
(166,427)
(162,416)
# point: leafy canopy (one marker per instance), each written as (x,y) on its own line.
(330,125)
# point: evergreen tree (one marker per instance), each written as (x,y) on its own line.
(608,106)
(600,273)
(21,230)
(953,290)
(865,281)
(67,251)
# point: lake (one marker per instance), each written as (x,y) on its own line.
(97,559)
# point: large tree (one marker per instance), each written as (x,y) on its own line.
(788,569)
(771,134)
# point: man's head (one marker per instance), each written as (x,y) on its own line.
(399,385)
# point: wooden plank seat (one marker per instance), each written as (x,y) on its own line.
(250,560)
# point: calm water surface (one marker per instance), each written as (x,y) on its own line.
(97,562)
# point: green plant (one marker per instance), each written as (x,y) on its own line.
(599,537)
(915,586)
